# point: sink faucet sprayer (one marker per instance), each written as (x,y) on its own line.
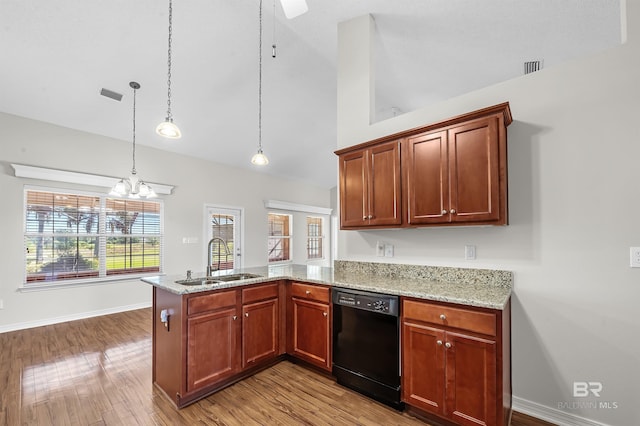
(210,256)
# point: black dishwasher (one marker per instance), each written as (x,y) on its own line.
(366,344)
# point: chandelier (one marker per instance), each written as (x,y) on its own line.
(133,186)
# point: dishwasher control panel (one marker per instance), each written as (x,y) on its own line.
(383,303)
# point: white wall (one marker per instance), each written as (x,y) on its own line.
(574,198)
(26,141)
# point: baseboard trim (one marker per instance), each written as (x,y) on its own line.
(550,414)
(82,315)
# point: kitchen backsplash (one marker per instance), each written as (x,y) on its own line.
(432,273)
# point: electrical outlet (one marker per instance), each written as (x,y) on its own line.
(379,249)
(634,254)
(469,252)
(388,250)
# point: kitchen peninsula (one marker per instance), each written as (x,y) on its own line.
(455,328)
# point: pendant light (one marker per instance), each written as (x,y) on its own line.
(133,186)
(167,128)
(259,159)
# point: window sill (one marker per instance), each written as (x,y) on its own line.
(44,286)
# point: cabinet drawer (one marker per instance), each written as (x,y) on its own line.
(261,292)
(479,322)
(211,302)
(310,291)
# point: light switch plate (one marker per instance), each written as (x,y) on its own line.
(388,250)
(634,257)
(379,249)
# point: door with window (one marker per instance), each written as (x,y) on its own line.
(224,243)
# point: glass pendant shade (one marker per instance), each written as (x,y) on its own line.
(168,129)
(259,159)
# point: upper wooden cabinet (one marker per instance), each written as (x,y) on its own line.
(452,173)
(370,186)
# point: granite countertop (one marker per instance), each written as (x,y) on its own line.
(473,287)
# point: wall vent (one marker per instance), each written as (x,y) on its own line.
(532,66)
(111,94)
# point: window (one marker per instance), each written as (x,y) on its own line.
(279,244)
(314,238)
(222,229)
(73,235)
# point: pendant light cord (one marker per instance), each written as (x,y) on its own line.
(169,117)
(260,82)
(133,169)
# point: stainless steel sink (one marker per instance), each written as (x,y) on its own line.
(236,277)
(198,281)
(217,280)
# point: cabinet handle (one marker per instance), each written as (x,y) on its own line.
(452,211)
(443,317)
(364,217)
(439,342)
(235,317)
(324,314)
(307,292)
(246,314)
(444,211)
(447,345)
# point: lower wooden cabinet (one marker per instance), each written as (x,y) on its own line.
(455,364)
(212,353)
(260,324)
(310,324)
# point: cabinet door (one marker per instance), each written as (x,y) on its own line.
(353,189)
(212,348)
(423,369)
(259,331)
(474,171)
(427,178)
(471,380)
(384,188)
(311,332)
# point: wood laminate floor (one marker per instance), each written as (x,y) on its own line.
(97,371)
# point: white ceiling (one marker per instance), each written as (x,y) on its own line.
(57,55)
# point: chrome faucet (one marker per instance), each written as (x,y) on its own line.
(210,256)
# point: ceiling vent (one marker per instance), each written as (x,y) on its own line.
(532,66)
(111,94)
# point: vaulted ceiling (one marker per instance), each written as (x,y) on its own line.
(58,55)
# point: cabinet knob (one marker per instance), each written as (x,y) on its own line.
(452,211)
(235,317)
(443,317)
(307,292)
(246,314)
(324,314)
(370,216)
(439,342)
(447,345)
(444,211)
(364,218)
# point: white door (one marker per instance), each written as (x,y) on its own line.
(223,237)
